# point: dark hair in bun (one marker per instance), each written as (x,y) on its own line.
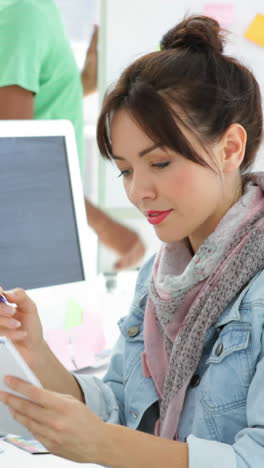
(199,33)
(188,82)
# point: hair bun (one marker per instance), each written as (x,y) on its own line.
(195,32)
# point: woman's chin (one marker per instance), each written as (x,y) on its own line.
(168,237)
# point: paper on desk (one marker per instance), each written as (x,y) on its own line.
(222,12)
(255,31)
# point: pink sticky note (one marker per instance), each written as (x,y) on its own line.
(58,341)
(222,12)
(87,340)
(76,347)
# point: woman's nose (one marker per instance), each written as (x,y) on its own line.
(140,188)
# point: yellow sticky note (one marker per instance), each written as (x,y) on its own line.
(255,31)
(74,314)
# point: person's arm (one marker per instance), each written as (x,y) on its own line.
(71,430)
(106,229)
(123,240)
(16,103)
(127,448)
(89,72)
(53,375)
(97,441)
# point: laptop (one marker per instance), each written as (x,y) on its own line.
(46,246)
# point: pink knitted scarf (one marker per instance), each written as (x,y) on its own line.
(188,293)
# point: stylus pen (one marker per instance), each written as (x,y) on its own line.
(5,301)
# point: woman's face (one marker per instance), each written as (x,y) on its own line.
(179,198)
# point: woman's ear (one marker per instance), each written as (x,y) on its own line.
(234,144)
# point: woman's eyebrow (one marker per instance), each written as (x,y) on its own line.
(114,156)
(148,150)
(141,153)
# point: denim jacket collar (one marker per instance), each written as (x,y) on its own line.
(232,312)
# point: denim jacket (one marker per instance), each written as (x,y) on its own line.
(223,414)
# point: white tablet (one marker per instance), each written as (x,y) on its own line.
(12,363)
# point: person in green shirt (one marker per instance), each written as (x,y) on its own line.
(39,79)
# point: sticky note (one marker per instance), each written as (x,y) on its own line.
(74,314)
(76,347)
(87,340)
(255,31)
(222,12)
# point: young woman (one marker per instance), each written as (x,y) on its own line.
(183,126)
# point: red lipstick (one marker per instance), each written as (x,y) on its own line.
(156,217)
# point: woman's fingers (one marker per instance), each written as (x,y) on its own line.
(19,297)
(21,304)
(28,408)
(9,325)
(33,426)
(40,396)
(56,420)
(7,311)
(14,336)
(45,408)
(43,424)
(6,322)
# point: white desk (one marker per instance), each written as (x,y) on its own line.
(16,458)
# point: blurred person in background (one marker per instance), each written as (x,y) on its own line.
(39,79)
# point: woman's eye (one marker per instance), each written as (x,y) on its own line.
(127,172)
(161,165)
(124,173)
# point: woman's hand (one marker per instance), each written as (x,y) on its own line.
(64,425)
(21,324)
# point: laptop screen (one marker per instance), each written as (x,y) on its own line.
(39,244)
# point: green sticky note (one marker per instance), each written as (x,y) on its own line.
(74,314)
